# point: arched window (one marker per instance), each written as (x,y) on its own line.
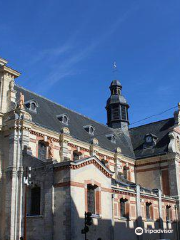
(90,129)
(104,162)
(168,213)
(149,211)
(31,105)
(126,173)
(35,200)
(93,199)
(76,155)
(124,208)
(111,137)
(63,118)
(42,150)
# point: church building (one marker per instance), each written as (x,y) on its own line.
(56,165)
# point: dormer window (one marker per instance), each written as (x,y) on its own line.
(90,129)
(31,105)
(150,140)
(63,118)
(111,137)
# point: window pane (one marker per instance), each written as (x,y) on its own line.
(35,200)
(91,199)
(122,208)
(41,151)
(167,213)
(147,210)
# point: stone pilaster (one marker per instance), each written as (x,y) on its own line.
(160,210)
(18,124)
(64,140)
(94,147)
(138,209)
(48,216)
(117,162)
(174,177)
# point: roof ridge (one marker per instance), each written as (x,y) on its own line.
(62,106)
(151,123)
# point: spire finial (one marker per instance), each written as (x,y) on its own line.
(115,70)
(114,67)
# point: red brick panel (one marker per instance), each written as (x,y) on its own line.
(127,209)
(116,209)
(165,182)
(86,203)
(98,202)
(151,212)
(133,211)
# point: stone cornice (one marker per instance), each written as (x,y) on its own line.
(151,163)
(42,131)
(155,159)
(10,70)
(82,163)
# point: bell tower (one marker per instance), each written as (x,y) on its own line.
(117,107)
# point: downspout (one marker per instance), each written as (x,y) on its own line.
(112,220)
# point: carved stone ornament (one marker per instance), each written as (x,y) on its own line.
(65,130)
(172,145)
(118,150)
(95,141)
(21,101)
(11,85)
(177,115)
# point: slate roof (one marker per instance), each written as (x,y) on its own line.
(46,117)
(160,129)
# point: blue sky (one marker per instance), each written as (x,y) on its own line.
(65,51)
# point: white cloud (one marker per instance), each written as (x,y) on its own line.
(61,69)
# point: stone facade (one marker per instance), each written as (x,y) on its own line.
(69,168)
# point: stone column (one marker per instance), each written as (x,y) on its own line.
(138,210)
(160,211)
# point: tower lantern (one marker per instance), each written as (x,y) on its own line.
(117,107)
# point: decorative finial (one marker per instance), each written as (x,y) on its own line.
(115,66)
(11,86)
(115,70)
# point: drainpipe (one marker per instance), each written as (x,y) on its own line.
(113,224)
(177,220)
